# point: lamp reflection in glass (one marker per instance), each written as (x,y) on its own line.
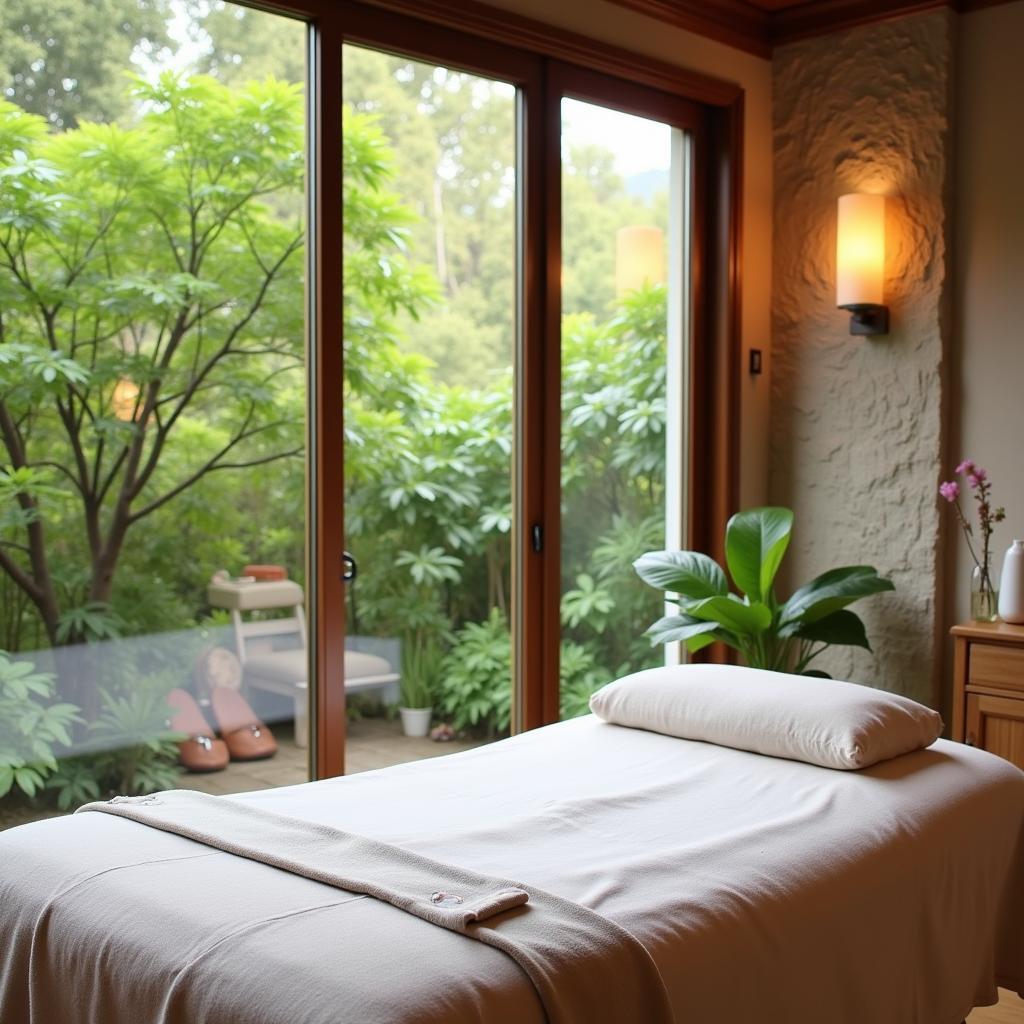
(639,258)
(860,262)
(125,400)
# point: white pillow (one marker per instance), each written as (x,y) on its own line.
(820,721)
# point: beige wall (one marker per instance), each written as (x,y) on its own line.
(858,424)
(612,24)
(988,385)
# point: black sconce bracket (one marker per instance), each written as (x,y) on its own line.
(867,318)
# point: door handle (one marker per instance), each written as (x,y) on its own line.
(350,567)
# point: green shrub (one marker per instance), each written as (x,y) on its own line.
(476,676)
(32,726)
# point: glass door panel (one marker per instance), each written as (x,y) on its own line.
(152,401)
(430,201)
(623,303)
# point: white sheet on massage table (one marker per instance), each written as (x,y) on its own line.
(768,891)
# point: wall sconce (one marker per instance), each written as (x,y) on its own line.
(860,262)
(639,258)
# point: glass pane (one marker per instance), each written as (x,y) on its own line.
(622,180)
(152,399)
(430,285)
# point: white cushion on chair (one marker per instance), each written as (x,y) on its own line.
(254,596)
(283,666)
(359,665)
(293,667)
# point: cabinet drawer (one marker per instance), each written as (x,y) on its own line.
(996,665)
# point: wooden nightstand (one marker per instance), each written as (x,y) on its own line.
(988,688)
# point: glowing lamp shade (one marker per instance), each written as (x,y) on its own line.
(124,400)
(860,262)
(639,258)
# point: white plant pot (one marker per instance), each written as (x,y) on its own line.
(416,721)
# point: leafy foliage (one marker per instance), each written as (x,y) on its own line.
(475,674)
(140,752)
(783,637)
(33,726)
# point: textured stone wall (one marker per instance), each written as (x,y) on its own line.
(858,423)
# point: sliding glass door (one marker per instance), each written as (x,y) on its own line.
(624,189)
(624,312)
(430,199)
(524,320)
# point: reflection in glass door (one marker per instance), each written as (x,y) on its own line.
(623,302)
(430,321)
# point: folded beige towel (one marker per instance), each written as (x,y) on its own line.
(583,966)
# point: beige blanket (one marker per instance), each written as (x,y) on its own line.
(584,967)
(766,891)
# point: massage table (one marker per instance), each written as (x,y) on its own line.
(766,891)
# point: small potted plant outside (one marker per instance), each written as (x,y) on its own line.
(421,659)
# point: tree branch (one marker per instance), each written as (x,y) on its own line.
(211,466)
(20,577)
(226,347)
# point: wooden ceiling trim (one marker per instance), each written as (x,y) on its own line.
(733,22)
(820,17)
(750,28)
(503,26)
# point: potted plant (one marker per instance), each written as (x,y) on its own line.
(421,659)
(782,636)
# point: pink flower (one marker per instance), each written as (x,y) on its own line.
(950,490)
(977,477)
(967,466)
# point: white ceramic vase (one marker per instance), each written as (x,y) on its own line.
(1011,590)
(415,721)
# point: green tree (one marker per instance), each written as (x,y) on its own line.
(68,64)
(453,136)
(148,318)
(237,44)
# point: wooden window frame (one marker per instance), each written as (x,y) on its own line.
(542,62)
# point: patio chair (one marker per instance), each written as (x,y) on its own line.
(273,650)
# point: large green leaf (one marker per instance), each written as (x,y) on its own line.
(831,591)
(688,573)
(755,542)
(733,615)
(702,640)
(678,627)
(842,627)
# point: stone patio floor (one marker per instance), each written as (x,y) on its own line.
(370,743)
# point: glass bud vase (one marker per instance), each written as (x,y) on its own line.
(984,596)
